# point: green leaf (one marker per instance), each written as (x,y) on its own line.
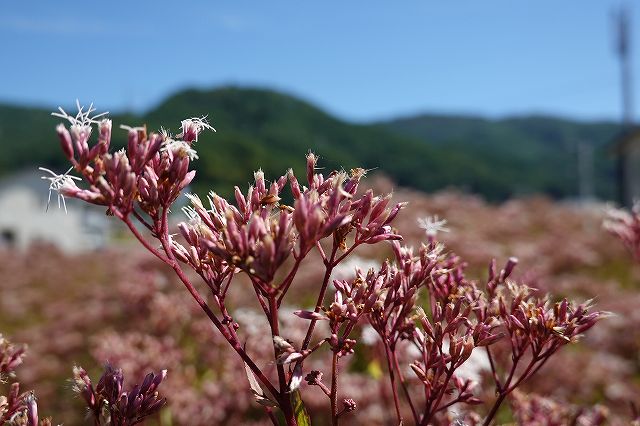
(299,410)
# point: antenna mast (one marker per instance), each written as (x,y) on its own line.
(622,22)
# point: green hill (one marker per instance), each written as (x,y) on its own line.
(275,131)
(262,128)
(532,154)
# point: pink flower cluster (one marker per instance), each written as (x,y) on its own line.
(626,226)
(109,403)
(16,408)
(266,239)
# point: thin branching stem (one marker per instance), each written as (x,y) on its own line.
(392,381)
(323,289)
(171,261)
(333,396)
(403,383)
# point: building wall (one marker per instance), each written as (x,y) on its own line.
(23,220)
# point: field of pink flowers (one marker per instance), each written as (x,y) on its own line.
(127,307)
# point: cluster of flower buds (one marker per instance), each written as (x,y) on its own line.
(445,338)
(75,140)
(16,408)
(445,341)
(20,409)
(198,237)
(537,323)
(626,226)
(11,356)
(260,236)
(328,207)
(150,172)
(398,285)
(251,237)
(351,301)
(535,327)
(110,404)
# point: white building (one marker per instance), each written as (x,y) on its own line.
(23,219)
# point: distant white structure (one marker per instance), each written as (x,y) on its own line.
(23,220)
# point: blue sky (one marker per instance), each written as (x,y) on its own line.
(360,60)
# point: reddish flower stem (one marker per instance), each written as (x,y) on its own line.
(392,380)
(284,400)
(433,408)
(173,263)
(142,220)
(334,389)
(286,283)
(344,255)
(225,287)
(140,238)
(494,409)
(494,372)
(325,282)
(396,365)
(505,390)
(272,417)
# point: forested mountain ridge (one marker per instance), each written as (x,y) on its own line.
(267,129)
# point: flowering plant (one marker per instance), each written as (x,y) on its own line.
(626,226)
(429,317)
(108,402)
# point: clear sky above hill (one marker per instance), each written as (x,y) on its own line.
(361,60)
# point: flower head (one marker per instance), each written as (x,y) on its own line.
(58,183)
(180,148)
(432,225)
(82,118)
(191,128)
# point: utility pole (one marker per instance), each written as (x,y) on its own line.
(622,22)
(623,48)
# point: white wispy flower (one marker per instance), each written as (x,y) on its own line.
(194,199)
(432,225)
(57,182)
(82,118)
(166,134)
(191,214)
(195,125)
(180,148)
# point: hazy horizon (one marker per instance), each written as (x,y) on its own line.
(70,105)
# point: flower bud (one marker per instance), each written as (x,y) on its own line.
(32,409)
(508,269)
(349,405)
(311,166)
(65,141)
(281,344)
(309,315)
